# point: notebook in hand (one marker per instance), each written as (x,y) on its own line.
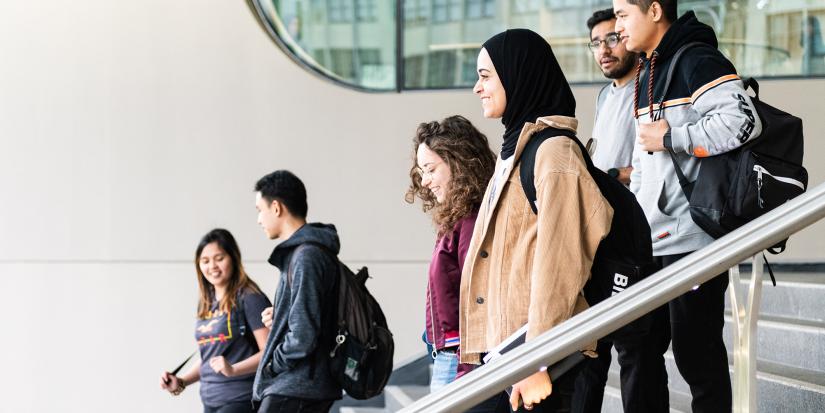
(518,338)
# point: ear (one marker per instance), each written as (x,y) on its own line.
(656,12)
(276,208)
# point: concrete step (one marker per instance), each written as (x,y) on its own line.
(398,397)
(796,343)
(679,401)
(796,296)
(779,386)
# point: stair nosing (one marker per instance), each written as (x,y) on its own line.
(784,322)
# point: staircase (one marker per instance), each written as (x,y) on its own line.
(791,354)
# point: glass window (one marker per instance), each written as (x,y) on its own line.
(353,41)
(525,6)
(416,11)
(447,10)
(477,9)
(350,41)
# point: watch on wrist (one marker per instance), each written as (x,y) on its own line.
(613,172)
(666,140)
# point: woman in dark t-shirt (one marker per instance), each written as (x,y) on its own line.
(228,331)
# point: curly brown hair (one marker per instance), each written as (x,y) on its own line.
(467,153)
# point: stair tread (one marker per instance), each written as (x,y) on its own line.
(409,391)
(815,280)
(774,320)
(679,401)
(804,377)
(811,379)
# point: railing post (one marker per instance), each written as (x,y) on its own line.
(745,318)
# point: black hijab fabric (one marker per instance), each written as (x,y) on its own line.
(533,82)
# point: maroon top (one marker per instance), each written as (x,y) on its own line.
(444,285)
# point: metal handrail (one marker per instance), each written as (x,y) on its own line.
(613,313)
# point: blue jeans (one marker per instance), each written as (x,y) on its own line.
(444,369)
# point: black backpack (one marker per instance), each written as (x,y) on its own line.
(360,342)
(625,256)
(736,187)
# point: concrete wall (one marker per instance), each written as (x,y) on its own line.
(129,129)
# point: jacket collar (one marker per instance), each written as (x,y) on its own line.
(559,122)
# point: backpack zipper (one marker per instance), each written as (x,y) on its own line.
(759,171)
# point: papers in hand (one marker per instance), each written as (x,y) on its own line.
(520,337)
(514,340)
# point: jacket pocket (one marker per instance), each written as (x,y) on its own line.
(765,184)
(650,196)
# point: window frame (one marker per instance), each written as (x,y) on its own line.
(400,24)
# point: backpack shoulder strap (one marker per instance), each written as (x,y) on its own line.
(527,161)
(672,68)
(750,82)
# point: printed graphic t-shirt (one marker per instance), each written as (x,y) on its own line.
(219,335)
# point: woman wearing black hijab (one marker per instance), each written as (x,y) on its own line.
(524,268)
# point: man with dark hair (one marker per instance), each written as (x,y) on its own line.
(614,130)
(614,136)
(293,374)
(704,112)
(668,8)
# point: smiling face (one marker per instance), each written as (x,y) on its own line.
(215,265)
(615,62)
(435,173)
(489,87)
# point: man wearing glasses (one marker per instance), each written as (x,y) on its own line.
(614,131)
(614,135)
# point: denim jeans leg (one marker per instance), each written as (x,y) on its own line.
(444,370)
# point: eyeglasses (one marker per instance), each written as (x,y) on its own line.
(611,40)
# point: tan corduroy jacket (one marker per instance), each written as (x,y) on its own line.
(525,268)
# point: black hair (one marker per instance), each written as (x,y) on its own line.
(600,16)
(283,186)
(668,6)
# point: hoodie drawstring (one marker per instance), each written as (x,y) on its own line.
(649,87)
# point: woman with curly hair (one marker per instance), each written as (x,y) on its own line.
(452,165)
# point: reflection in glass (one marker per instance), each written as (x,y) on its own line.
(813,47)
(761,37)
(353,41)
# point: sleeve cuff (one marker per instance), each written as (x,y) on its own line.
(677,140)
(451,339)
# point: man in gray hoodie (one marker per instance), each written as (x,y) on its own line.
(293,374)
(705,112)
